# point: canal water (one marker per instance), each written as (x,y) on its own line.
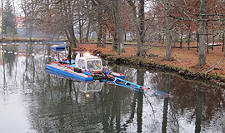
(33,100)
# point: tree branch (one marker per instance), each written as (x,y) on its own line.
(196,20)
(214,67)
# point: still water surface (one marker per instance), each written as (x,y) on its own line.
(32,100)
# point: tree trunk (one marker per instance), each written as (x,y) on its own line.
(2,19)
(168,34)
(137,22)
(104,38)
(141,11)
(189,39)
(88,30)
(69,54)
(175,39)
(119,26)
(71,36)
(197,39)
(213,39)
(223,44)
(80,30)
(114,42)
(181,40)
(99,43)
(202,38)
(224,53)
(31,31)
(207,40)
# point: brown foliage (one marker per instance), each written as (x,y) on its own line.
(181,57)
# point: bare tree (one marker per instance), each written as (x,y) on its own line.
(141,12)
(119,26)
(139,25)
(168,32)
(52,17)
(192,15)
(202,38)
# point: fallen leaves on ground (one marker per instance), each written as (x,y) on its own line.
(181,57)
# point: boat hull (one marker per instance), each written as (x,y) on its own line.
(69,73)
(58,47)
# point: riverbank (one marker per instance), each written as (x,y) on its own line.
(184,62)
(16,39)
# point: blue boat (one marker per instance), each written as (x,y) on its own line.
(88,68)
(85,67)
(68,72)
(58,47)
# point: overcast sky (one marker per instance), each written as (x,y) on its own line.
(19,11)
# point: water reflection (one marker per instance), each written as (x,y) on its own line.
(165,104)
(140,81)
(41,102)
(200,100)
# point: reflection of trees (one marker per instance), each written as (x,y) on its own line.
(62,108)
(9,57)
(116,102)
(34,66)
(4,76)
(140,81)
(185,101)
(165,105)
(78,113)
(9,61)
(29,73)
(136,106)
(48,53)
(59,106)
(200,100)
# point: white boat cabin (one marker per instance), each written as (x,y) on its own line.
(88,62)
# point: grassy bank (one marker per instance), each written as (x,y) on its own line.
(184,62)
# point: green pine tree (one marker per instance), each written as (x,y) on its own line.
(8,20)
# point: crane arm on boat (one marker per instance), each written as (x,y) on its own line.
(121,82)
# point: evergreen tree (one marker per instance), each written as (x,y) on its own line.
(8,23)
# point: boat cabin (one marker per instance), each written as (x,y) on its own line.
(88,62)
